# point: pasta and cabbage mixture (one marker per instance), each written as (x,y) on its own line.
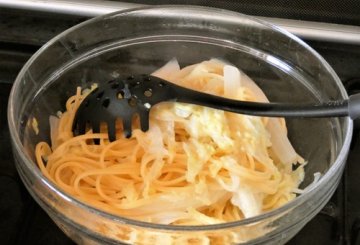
(195,165)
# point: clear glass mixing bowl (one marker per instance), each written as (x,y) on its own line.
(141,40)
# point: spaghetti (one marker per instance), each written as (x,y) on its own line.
(194,166)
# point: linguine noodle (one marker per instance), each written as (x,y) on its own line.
(194,166)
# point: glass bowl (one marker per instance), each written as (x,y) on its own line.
(141,40)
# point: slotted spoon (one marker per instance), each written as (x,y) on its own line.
(123,98)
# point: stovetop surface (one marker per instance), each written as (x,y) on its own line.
(23,221)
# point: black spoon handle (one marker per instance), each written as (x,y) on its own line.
(338,108)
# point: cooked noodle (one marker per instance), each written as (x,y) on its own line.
(194,166)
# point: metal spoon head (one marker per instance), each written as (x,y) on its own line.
(121,98)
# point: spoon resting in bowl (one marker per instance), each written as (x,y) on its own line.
(122,98)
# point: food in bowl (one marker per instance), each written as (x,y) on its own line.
(194,166)
(140,40)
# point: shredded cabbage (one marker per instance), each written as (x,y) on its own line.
(195,165)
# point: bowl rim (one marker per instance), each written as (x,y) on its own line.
(18,146)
